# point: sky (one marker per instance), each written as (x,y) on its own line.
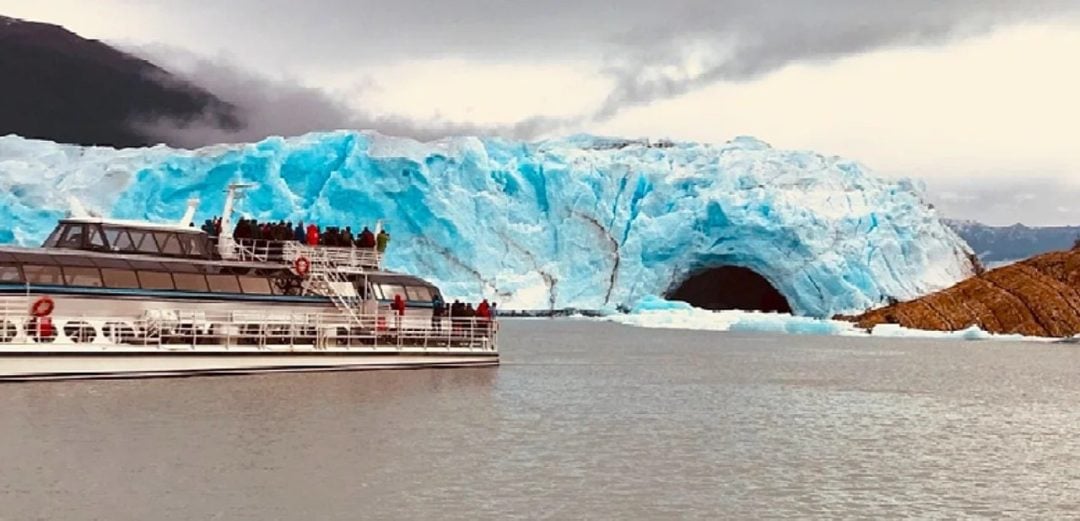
(977,98)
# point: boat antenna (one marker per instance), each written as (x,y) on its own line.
(189,214)
(225,241)
(76,208)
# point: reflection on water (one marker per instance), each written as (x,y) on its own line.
(583,420)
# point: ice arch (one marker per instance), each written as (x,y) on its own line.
(583,221)
(730,287)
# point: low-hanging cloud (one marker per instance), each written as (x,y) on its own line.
(264,107)
(650,51)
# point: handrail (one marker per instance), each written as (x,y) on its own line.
(286,252)
(185,329)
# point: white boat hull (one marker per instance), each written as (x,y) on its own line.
(54,365)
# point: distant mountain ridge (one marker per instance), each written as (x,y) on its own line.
(1009,243)
(62,87)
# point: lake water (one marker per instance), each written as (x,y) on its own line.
(584,420)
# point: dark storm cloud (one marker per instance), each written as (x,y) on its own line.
(652,50)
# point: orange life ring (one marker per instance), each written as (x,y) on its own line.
(42,307)
(302,266)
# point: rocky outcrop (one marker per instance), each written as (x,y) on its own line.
(1038,297)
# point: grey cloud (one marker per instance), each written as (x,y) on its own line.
(642,45)
(1036,201)
(268,107)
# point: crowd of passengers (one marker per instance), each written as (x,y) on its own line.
(460,311)
(311,235)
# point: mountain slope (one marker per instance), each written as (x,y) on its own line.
(1008,243)
(62,87)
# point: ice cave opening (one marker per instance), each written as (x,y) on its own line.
(730,287)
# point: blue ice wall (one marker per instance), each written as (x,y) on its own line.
(582,221)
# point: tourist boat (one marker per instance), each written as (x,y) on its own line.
(105,298)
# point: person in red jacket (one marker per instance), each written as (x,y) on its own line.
(399,309)
(312,235)
(483,312)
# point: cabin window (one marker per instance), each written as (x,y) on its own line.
(183,267)
(192,244)
(54,238)
(73,237)
(82,277)
(106,262)
(190,282)
(33,258)
(10,273)
(170,245)
(119,239)
(255,285)
(115,278)
(390,290)
(95,240)
(155,280)
(223,283)
(43,274)
(144,242)
(74,260)
(418,293)
(147,265)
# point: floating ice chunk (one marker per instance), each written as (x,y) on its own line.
(675,317)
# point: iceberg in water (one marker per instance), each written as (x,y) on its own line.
(584,222)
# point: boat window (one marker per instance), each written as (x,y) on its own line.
(170,245)
(390,290)
(255,285)
(183,267)
(82,277)
(147,265)
(115,278)
(155,280)
(106,262)
(223,283)
(95,241)
(193,244)
(54,237)
(118,239)
(43,274)
(418,293)
(32,258)
(10,273)
(144,242)
(190,282)
(72,260)
(73,237)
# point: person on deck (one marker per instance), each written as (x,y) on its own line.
(312,235)
(298,234)
(399,309)
(438,309)
(382,240)
(367,239)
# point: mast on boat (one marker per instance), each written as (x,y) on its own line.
(226,245)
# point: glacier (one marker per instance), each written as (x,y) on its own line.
(581,221)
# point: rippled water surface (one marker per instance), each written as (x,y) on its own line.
(583,420)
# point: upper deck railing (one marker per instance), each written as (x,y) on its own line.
(287,252)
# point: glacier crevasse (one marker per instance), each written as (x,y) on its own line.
(581,221)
